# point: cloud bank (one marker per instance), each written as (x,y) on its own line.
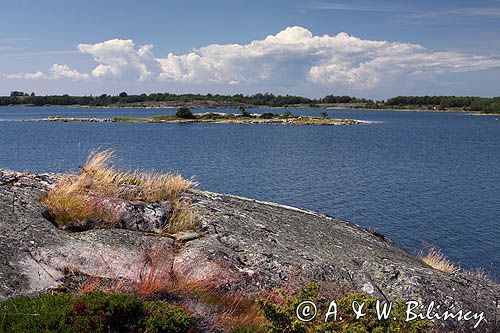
(292,56)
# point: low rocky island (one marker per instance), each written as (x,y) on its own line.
(202,251)
(185,116)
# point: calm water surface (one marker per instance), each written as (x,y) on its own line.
(419,178)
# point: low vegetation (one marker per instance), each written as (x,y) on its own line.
(282,315)
(91,312)
(479,273)
(97,311)
(435,258)
(231,312)
(276,312)
(228,312)
(83,197)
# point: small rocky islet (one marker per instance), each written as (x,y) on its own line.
(212,117)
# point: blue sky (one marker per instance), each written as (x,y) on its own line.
(389,47)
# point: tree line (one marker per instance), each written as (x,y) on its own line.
(467,103)
(489,105)
(267,99)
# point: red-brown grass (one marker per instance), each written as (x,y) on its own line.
(155,276)
(240,313)
(226,310)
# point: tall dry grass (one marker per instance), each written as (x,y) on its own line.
(183,217)
(99,176)
(76,198)
(436,259)
(67,203)
(479,273)
(154,186)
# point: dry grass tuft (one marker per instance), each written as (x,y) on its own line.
(98,175)
(480,273)
(66,203)
(183,217)
(241,314)
(437,260)
(92,283)
(79,198)
(156,187)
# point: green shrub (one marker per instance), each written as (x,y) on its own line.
(283,318)
(92,312)
(184,113)
(101,312)
(40,314)
(161,318)
(287,114)
(244,112)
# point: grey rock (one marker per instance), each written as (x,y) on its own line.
(243,246)
(147,217)
(132,215)
(186,236)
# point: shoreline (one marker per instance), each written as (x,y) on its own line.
(225,107)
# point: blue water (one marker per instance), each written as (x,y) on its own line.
(418,178)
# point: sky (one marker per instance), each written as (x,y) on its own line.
(310,47)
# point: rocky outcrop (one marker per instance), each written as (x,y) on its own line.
(242,246)
(132,215)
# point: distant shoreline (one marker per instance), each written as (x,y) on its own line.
(259,100)
(236,106)
(468,112)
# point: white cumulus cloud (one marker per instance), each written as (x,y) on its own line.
(56,72)
(120,59)
(296,55)
(292,56)
(64,71)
